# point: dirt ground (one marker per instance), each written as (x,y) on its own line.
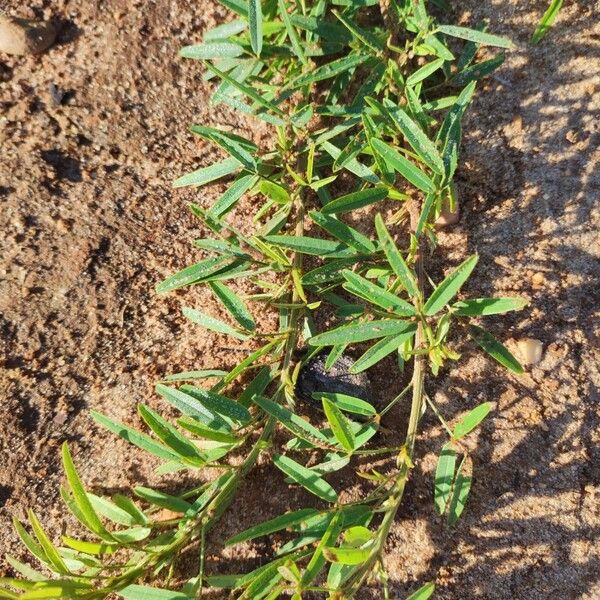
(89,225)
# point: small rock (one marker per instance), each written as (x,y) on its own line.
(338,380)
(531,350)
(449,216)
(538,280)
(22,36)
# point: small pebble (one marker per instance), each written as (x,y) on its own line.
(538,280)
(449,217)
(22,36)
(531,350)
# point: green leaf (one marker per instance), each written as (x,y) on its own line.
(222,32)
(317,561)
(92,520)
(488,306)
(330,271)
(362,332)
(403,166)
(348,403)
(205,175)
(212,50)
(194,273)
(233,303)
(272,525)
(423,593)
(355,167)
(289,27)
(110,510)
(546,21)
(170,436)
(55,561)
(235,191)
(89,547)
(450,286)
(234,145)
(305,477)
(297,425)
(256,25)
(347,556)
(366,37)
(397,262)
(205,432)
(495,349)
(161,499)
(309,245)
(424,72)
(219,404)
(246,90)
(477,71)
(141,440)
(30,543)
(343,232)
(355,200)
(211,323)
(191,375)
(276,192)
(471,420)
(143,592)
(329,70)
(191,407)
(460,491)
(480,37)
(424,216)
(415,136)
(339,425)
(444,476)
(363,288)
(379,351)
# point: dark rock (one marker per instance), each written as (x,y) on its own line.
(313,377)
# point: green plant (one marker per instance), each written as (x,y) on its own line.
(546,21)
(355,92)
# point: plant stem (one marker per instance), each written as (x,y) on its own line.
(418,396)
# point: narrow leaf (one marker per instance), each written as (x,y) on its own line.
(339,425)
(403,166)
(348,403)
(212,323)
(450,286)
(471,420)
(415,136)
(79,495)
(305,477)
(234,304)
(444,476)
(205,175)
(355,200)
(423,593)
(480,37)
(379,351)
(495,349)
(488,306)
(362,332)
(256,25)
(397,262)
(460,490)
(141,440)
(272,525)
(546,21)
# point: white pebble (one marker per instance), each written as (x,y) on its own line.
(531,350)
(21,36)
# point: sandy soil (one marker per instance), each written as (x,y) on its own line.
(89,225)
